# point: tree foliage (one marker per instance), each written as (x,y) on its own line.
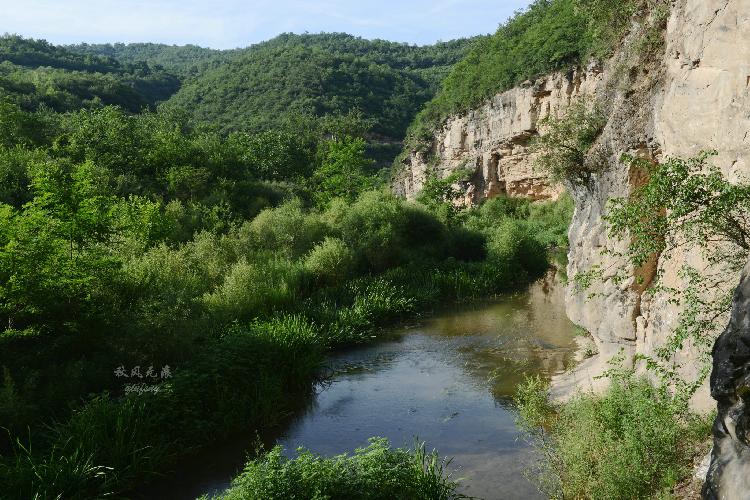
(564,141)
(684,201)
(34,74)
(319,74)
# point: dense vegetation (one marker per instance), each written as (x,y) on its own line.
(162,285)
(35,74)
(254,89)
(549,35)
(372,473)
(634,441)
(182,60)
(320,74)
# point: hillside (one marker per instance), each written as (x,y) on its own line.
(182,60)
(251,89)
(34,73)
(548,36)
(320,74)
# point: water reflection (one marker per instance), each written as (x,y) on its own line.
(447,381)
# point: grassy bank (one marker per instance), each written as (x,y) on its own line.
(372,473)
(633,441)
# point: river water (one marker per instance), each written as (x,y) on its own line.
(448,382)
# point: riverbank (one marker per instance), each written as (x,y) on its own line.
(448,382)
(250,327)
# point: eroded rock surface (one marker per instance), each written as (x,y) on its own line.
(729,473)
(493,141)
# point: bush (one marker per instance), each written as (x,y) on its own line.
(634,441)
(564,142)
(287,230)
(549,221)
(370,227)
(511,245)
(163,287)
(254,289)
(502,207)
(374,472)
(331,261)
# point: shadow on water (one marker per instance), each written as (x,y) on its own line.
(209,471)
(448,381)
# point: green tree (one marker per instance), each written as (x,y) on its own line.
(343,171)
(52,262)
(564,142)
(441,196)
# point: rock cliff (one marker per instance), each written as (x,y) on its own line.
(729,474)
(493,140)
(694,98)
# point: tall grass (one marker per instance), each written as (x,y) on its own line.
(633,441)
(372,473)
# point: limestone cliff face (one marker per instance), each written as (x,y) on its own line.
(493,140)
(694,99)
(693,95)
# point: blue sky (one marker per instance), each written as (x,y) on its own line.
(237,23)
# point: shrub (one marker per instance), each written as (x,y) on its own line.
(331,261)
(369,226)
(549,221)
(466,244)
(502,207)
(374,472)
(440,195)
(163,287)
(343,171)
(287,229)
(254,289)
(511,245)
(564,142)
(634,441)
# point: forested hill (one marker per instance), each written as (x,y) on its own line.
(34,73)
(182,60)
(320,74)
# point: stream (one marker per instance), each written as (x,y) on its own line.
(448,382)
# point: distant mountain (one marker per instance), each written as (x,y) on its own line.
(320,74)
(34,73)
(182,60)
(251,89)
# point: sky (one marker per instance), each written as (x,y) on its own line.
(224,24)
